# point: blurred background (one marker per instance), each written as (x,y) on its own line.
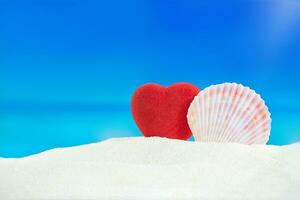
(68,68)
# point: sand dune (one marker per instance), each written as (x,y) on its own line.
(155,168)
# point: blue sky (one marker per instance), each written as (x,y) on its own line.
(68,68)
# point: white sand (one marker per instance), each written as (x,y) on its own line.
(155,168)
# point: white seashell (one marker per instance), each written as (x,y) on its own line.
(229,112)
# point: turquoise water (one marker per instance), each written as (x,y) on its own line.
(28,133)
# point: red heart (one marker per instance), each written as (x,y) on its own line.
(161,111)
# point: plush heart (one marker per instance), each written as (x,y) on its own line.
(161,111)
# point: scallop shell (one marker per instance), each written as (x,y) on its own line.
(229,112)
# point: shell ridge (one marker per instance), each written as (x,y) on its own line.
(206,111)
(216,125)
(232,114)
(213,113)
(228,111)
(244,104)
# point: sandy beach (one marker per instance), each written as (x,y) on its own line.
(155,168)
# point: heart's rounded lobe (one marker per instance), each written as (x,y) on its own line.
(161,111)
